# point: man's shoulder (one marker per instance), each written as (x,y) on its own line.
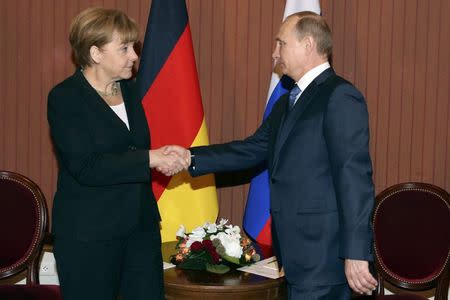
(338,84)
(343,91)
(330,78)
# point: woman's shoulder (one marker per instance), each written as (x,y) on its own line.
(67,85)
(64,93)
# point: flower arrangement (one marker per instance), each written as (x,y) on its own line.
(213,247)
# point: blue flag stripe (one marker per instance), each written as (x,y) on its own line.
(282,87)
(257,210)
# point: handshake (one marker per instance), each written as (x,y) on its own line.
(170,160)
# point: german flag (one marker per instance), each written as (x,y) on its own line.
(168,86)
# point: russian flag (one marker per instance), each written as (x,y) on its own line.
(168,86)
(257,220)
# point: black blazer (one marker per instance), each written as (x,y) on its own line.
(320,173)
(104,177)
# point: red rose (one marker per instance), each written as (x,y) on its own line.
(197,247)
(215,257)
(208,245)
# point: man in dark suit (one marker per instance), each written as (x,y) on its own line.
(316,144)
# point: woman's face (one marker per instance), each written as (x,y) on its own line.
(116,59)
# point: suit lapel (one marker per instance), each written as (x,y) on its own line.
(103,111)
(136,116)
(289,120)
(127,98)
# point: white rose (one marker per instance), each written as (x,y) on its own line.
(233,231)
(231,244)
(211,228)
(191,239)
(197,235)
(181,231)
(222,222)
(199,231)
(233,247)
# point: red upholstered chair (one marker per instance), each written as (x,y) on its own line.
(23,221)
(411,226)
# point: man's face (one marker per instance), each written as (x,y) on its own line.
(289,55)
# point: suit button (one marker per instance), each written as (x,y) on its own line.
(273,180)
(132,147)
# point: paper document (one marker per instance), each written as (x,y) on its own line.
(167,265)
(267,268)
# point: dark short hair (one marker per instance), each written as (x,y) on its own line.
(314,25)
(95,27)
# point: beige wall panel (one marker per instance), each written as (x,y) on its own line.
(396,52)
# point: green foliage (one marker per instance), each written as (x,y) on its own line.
(196,261)
(218,269)
(230,259)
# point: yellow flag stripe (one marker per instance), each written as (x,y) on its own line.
(188,201)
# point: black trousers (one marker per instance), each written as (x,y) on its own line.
(330,292)
(102,270)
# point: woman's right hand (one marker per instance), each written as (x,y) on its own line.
(169,162)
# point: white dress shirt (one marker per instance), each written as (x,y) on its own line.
(310,76)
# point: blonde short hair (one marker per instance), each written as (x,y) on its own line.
(95,27)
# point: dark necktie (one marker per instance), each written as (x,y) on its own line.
(293,95)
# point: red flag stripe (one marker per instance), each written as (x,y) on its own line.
(177,84)
(265,236)
(264,239)
(174,94)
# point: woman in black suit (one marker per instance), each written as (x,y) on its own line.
(105,218)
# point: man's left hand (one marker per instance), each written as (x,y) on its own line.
(359,277)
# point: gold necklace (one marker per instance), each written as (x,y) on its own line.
(115,88)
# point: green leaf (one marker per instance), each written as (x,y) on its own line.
(195,261)
(192,264)
(230,259)
(218,269)
(177,246)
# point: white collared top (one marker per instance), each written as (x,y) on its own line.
(121,112)
(310,76)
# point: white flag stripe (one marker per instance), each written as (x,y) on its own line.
(293,6)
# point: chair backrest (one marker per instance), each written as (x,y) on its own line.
(23,221)
(411,224)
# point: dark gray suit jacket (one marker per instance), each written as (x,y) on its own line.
(104,177)
(320,173)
